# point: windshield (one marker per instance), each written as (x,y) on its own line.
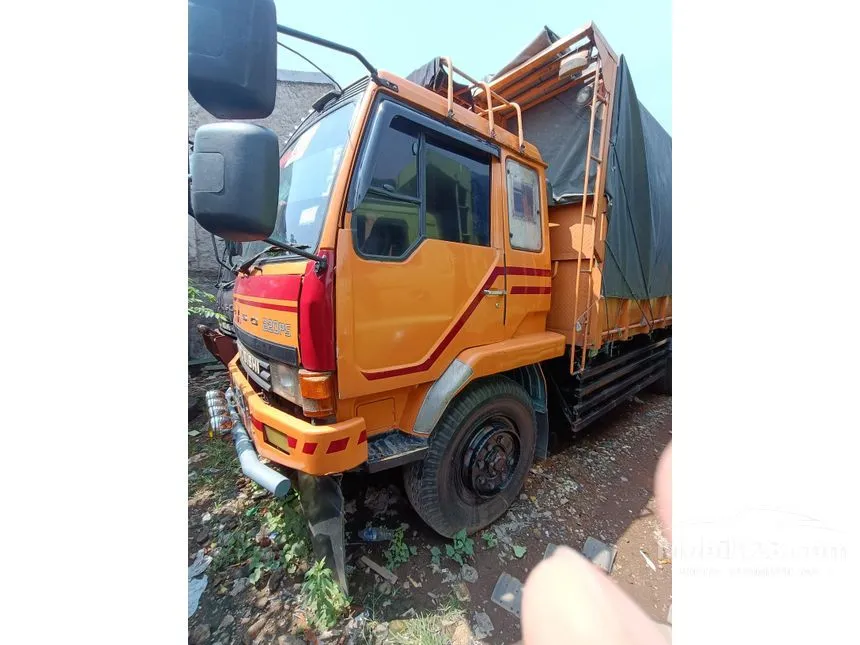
(308,168)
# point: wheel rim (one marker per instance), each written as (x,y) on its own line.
(491,457)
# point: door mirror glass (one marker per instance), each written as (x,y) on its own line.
(234,180)
(232,57)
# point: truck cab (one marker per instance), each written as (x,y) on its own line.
(437,275)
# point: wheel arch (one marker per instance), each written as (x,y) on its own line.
(459,374)
(532,380)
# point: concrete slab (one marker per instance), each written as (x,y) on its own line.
(507,594)
(600,553)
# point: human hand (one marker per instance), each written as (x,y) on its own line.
(567,599)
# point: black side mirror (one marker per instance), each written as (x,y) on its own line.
(234,180)
(232,57)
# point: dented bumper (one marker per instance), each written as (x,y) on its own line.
(293,442)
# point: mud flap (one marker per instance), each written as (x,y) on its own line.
(322,503)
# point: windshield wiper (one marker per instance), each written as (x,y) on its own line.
(299,249)
(246,265)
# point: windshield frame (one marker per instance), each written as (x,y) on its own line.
(325,197)
(353,96)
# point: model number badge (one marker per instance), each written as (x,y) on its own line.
(277,327)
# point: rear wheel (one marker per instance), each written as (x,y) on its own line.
(477,460)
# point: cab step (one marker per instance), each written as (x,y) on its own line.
(393,449)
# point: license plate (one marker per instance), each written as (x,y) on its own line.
(249,360)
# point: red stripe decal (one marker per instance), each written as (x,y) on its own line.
(528,271)
(337,445)
(362,437)
(530,290)
(282,287)
(425,365)
(428,362)
(309,448)
(266,305)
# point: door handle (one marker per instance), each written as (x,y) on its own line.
(494,292)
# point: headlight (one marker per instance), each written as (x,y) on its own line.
(285,382)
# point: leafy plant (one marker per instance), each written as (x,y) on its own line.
(490,539)
(322,598)
(260,562)
(398,551)
(288,532)
(199,301)
(286,544)
(519,551)
(435,555)
(462,548)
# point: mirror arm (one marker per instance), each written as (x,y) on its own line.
(320,260)
(316,40)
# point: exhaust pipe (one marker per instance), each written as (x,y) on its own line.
(254,469)
(321,497)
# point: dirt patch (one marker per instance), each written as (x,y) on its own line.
(599,483)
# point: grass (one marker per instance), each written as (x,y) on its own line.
(218,470)
(428,629)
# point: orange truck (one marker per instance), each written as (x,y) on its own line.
(434,267)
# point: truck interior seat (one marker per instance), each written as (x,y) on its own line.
(388,237)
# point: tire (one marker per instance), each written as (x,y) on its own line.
(487,433)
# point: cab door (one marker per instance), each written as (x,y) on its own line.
(527,251)
(420,263)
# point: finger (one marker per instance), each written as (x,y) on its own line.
(566,599)
(663,491)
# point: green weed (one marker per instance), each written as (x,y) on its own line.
(435,555)
(285,531)
(322,598)
(490,539)
(462,548)
(398,551)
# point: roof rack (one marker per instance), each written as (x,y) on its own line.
(542,76)
(489,111)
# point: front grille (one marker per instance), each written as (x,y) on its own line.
(263,377)
(281,353)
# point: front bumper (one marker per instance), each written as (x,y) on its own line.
(293,442)
(220,345)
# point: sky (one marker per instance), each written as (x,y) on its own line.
(480,37)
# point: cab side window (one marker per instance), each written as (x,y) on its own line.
(422,185)
(458,197)
(523,207)
(386,223)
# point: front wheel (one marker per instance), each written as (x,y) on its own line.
(477,460)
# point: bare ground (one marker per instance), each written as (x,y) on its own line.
(599,483)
